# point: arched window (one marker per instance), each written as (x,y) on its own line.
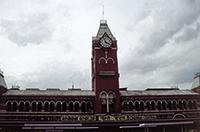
(88,107)
(130,106)
(27,106)
(137,107)
(46,106)
(83,107)
(8,106)
(34,106)
(169,105)
(174,105)
(194,104)
(184,105)
(52,106)
(125,106)
(14,108)
(141,106)
(39,108)
(190,104)
(148,105)
(159,105)
(64,106)
(21,106)
(71,107)
(76,107)
(153,105)
(111,97)
(107,101)
(180,105)
(163,105)
(58,106)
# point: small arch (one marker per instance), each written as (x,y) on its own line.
(142,106)
(71,106)
(153,105)
(194,104)
(14,107)
(148,105)
(184,105)
(39,108)
(159,105)
(46,106)
(83,107)
(58,108)
(190,104)
(21,106)
(137,107)
(76,106)
(174,105)
(180,105)
(51,106)
(34,106)
(64,106)
(8,107)
(170,107)
(88,107)
(179,115)
(163,105)
(130,106)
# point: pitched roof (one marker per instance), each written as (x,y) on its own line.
(154,92)
(37,92)
(103,28)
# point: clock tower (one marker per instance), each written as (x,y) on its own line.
(105,76)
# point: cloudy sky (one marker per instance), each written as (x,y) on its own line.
(47,43)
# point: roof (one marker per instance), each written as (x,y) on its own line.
(103,28)
(156,92)
(196,82)
(2,81)
(37,92)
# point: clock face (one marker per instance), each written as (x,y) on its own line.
(106,42)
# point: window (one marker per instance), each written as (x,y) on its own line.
(64,106)
(52,106)
(130,106)
(159,105)
(14,108)
(46,106)
(141,106)
(174,105)
(39,106)
(58,106)
(190,104)
(180,105)
(194,105)
(34,106)
(21,106)
(83,107)
(137,106)
(8,106)
(107,101)
(76,107)
(169,105)
(71,106)
(163,105)
(88,107)
(148,105)
(153,105)
(184,105)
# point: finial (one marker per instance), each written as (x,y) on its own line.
(72,84)
(103,12)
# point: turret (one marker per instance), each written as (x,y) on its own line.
(196,83)
(3,86)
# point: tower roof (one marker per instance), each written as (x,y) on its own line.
(103,28)
(2,81)
(196,82)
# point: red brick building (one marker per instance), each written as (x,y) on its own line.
(105,107)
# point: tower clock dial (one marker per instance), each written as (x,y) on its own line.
(106,42)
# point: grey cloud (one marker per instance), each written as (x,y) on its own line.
(29,29)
